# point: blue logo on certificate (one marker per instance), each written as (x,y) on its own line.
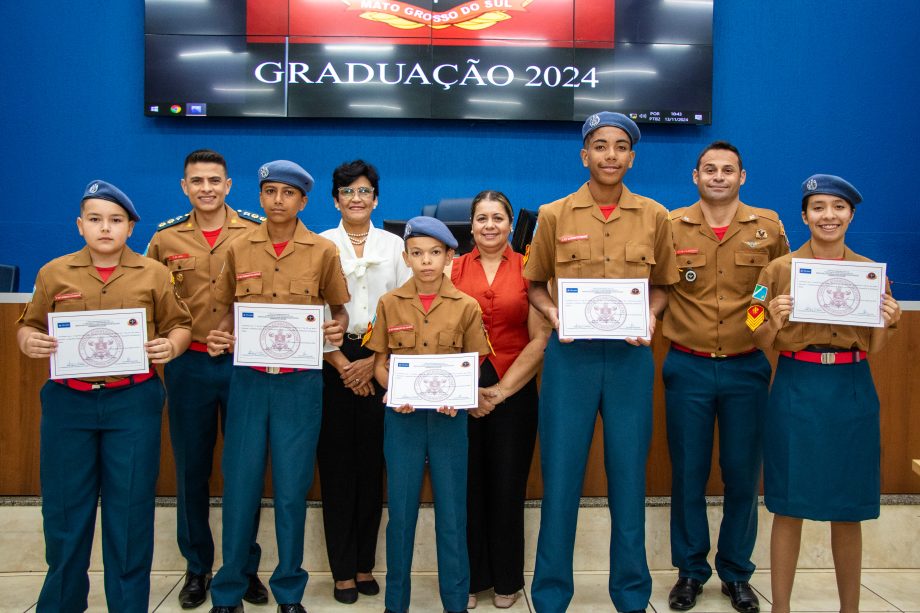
(245,314)
(805,271)
(571,290)
(760,292)
(402,364)
(63,324)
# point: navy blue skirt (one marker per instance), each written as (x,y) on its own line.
(822,442)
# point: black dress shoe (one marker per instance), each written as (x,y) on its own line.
(744,600)
(291,608)
(683,594)
(195,590)
(237,609)
(369,587)
(255,591)
(347,595)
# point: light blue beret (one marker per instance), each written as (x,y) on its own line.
(830,184)
(429,226)
(287,172)
(103,190)
(617,120)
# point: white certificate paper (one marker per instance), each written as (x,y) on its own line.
(433,381)
(838,292)
(284,335)
(99,343)
(603,308)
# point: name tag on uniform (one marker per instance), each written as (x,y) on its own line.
(573,237)
(248,275)
(178,256)
(400,328)
(68,296)
(687,251)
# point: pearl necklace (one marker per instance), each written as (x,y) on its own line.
(358,238)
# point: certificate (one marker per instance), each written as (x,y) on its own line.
(433,381)
(283,335)
(99,343)
(603,308)
(838,292)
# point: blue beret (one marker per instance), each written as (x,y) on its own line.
(289,173)
(429,226)
(617,120)
(830,184)
(104,190)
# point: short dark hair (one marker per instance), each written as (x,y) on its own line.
(205,156)
(723,145)
(348,172)
(497,196)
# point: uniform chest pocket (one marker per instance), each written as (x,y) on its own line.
(573,251)
(450,341)
(752,258)
(143,301)
(402,339)
(639,259)
(695,260)
(67,306)
(181,264)
(305,289)
(249,287)
(179,269)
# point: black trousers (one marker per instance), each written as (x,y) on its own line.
(501,450)
(350,457)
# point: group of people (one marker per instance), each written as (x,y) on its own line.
(719,279)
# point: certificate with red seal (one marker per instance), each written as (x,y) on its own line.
(434,381)
(282,335)
(101,343)
(603,308)
(838,292)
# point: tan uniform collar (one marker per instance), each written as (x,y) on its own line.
(129,259)
(231,220)
(584,199)
(409,291)
(693,215)
(301,235)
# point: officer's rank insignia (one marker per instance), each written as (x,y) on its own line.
(761,234)
(755,316)
(760,292)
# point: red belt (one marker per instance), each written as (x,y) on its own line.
(89,386)
(706,354)
(826,357)
(199,347)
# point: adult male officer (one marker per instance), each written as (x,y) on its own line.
(713,373)
(193,246)
(601,231)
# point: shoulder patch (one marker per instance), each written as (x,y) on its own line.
(760,293)
(250,216)
(172,221)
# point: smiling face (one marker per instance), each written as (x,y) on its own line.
(491,225)
(719,176)
(427,258)
(827,217)
(206,184)
(281,202)
(607,155)
(357,205)
(105,226)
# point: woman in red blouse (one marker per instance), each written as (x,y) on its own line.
(502,438)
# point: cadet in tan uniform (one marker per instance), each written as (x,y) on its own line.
(429,315)
(821,432)
(193,246)
(102,434)
(275,411)
(714,372)
(601,231)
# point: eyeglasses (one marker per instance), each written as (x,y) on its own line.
(349,192)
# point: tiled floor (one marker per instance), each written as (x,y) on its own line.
(815,591)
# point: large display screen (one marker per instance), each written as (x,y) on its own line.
(449,59)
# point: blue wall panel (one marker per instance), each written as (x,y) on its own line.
(801,86)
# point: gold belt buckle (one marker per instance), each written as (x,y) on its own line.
(828,358)
(273,370)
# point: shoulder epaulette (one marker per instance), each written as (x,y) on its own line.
(172,221)
(250,216)
(677,213)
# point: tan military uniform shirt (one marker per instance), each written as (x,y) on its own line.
(453,324)
(195,265)
(708,306)
(308,271)
(796,336)
(574,241)
(72,283)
